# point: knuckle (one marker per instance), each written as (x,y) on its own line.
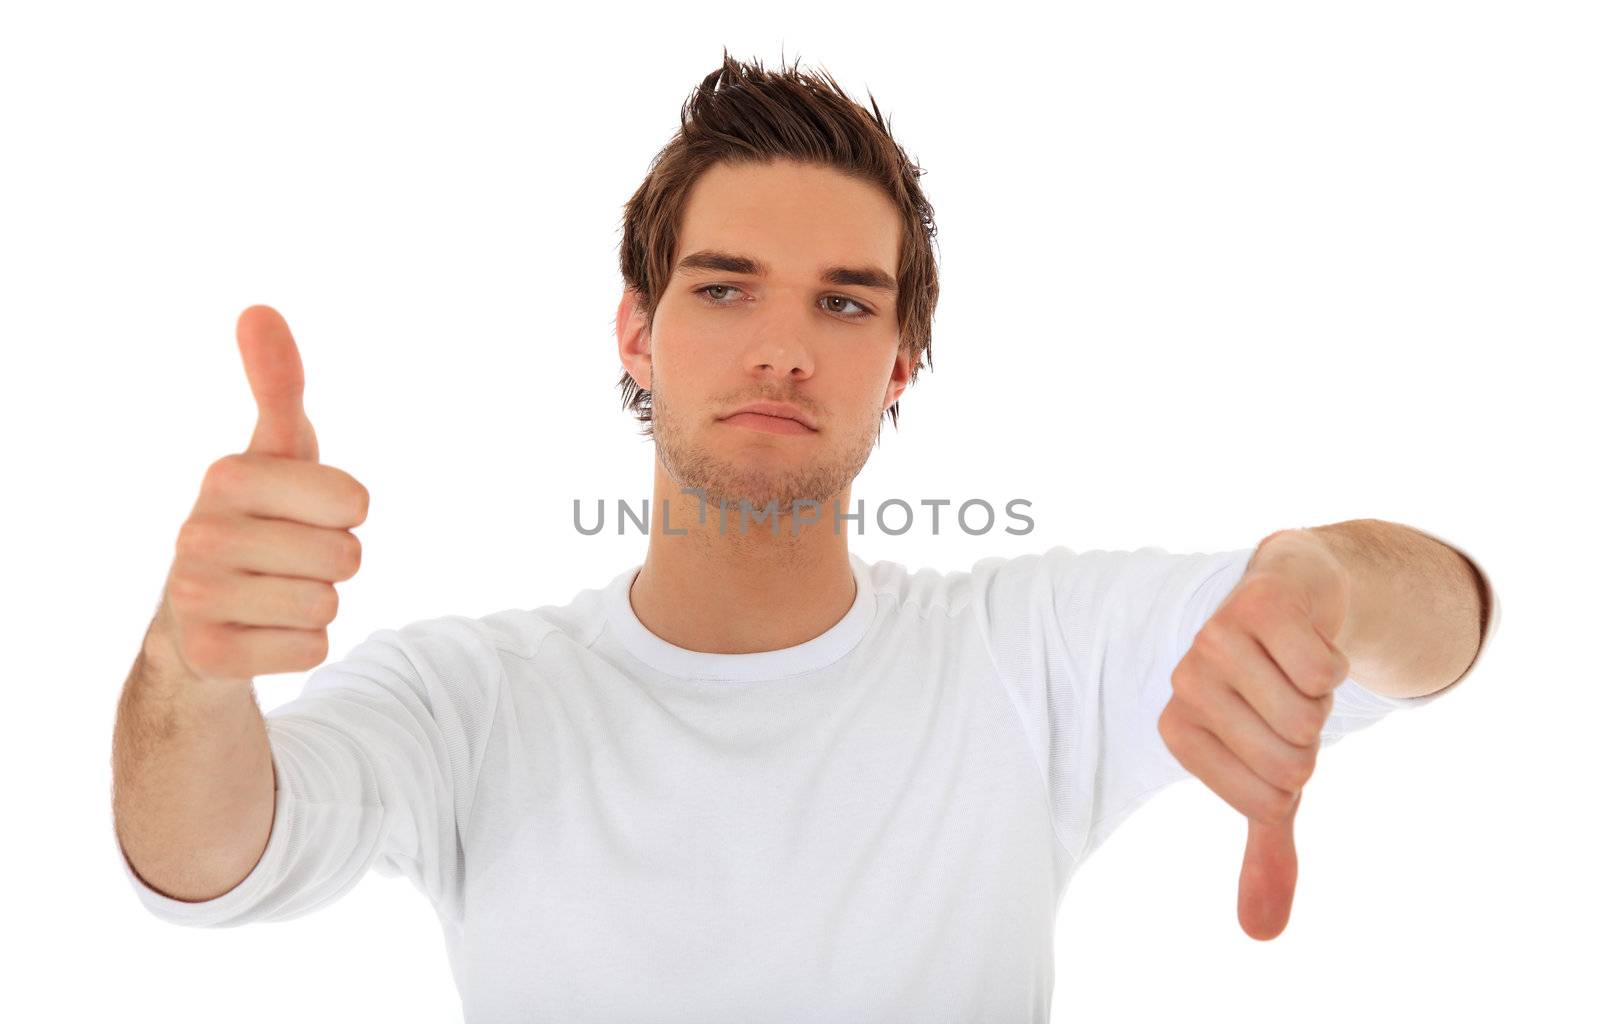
(185,546)
(1274,809)
(1209,642)
(1295,771)
(1172,733)
(225,475)
(207,649)
(1259,599)
(187,590)
(1188,692)
(198,538)
(1164,726)
(1182,681)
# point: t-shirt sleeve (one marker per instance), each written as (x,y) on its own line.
(375,764)
(1086,644)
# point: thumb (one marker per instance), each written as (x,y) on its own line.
(1267,879)
(277,380)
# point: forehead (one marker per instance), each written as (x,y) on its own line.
(794,216)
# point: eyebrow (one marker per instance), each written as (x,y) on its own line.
(733,263)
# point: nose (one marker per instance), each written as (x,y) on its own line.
(779,348)
(797,371)
(773,357)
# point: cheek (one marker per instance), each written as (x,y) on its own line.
(858,383)
(686,356)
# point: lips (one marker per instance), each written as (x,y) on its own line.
(778,409)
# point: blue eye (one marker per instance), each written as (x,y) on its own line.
(705,290)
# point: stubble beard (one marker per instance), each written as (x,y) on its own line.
(725,482)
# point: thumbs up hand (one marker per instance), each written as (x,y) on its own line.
(250,591)
(1249,700)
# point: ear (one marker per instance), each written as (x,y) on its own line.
(899,377)
(633,338)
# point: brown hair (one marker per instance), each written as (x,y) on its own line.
(742,113)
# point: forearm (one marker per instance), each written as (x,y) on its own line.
(192,778)
(1416,607)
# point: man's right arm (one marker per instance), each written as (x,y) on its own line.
(250,593)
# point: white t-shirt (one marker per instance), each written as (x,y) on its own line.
(877,824)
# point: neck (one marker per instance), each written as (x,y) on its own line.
(710,587)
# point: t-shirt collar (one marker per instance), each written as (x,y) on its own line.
(818,652)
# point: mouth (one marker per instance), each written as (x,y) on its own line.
(767,424)
(774,417)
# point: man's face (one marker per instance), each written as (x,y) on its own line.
(724,338)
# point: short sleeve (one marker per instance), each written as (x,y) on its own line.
(1086,644)
(375,764)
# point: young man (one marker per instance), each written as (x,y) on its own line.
(756,778)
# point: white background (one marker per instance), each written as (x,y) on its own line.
(1209,270)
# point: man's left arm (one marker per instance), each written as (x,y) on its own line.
(1420,610)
